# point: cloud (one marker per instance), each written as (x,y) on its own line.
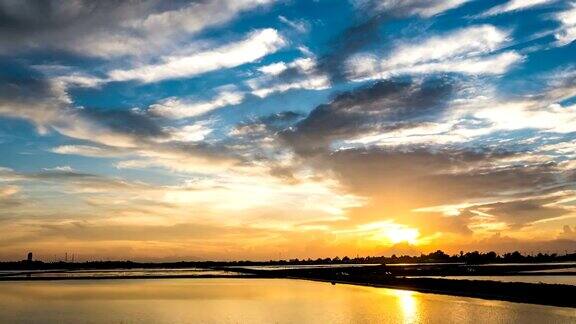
(523,212)
(300,26)
(177,108)
(8,191)
(515,5)
(281,77)
(132,132)
(568,233)
(365,29)
(384,106)
(88,150)
(567,33)
(196,16)
(244,201)
(401,183)
(40,101)
(465,51)
(48,106)
(255,46)
(422,8)
(486,114)
(190,133)
(68,180)
(111,29)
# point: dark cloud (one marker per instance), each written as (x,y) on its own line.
(281,118)
(518,213)
(267,125)
(349,42)
(33,98)
(384,106)
(30,24)
(111,28)
(126,122)
(397,182)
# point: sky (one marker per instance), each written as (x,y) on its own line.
(265,129)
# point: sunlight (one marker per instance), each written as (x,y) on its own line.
(408,305)
(391,232)
(402,234)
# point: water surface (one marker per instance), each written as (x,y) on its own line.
(190,272)
(250,301)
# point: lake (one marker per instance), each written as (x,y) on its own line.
(250,301)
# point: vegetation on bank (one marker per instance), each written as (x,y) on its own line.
(434,257)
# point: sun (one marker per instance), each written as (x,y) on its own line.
(391,232)
(402,234)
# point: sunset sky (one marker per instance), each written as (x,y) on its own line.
(258,129)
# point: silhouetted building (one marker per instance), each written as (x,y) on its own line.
(29,258)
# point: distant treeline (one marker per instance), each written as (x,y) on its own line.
(434,257)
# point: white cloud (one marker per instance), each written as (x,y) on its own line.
(67,76)
(527,114)
(466,51)
(177,108)
(86,150)
(257,45)
(567,33)
(423,8)
(434,7)
(304,65)
(62,168)
(299,25)
(190,133)
(477,118)
(515,5)
(196,16)
(274,68)
(312,83)
(307,77)
(157,31)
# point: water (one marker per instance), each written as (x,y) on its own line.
(118,273)
(556,279)
(250,301)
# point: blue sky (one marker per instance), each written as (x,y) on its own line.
(235,129)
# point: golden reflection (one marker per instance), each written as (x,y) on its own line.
(408,305)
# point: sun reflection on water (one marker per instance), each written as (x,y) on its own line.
(408,305)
